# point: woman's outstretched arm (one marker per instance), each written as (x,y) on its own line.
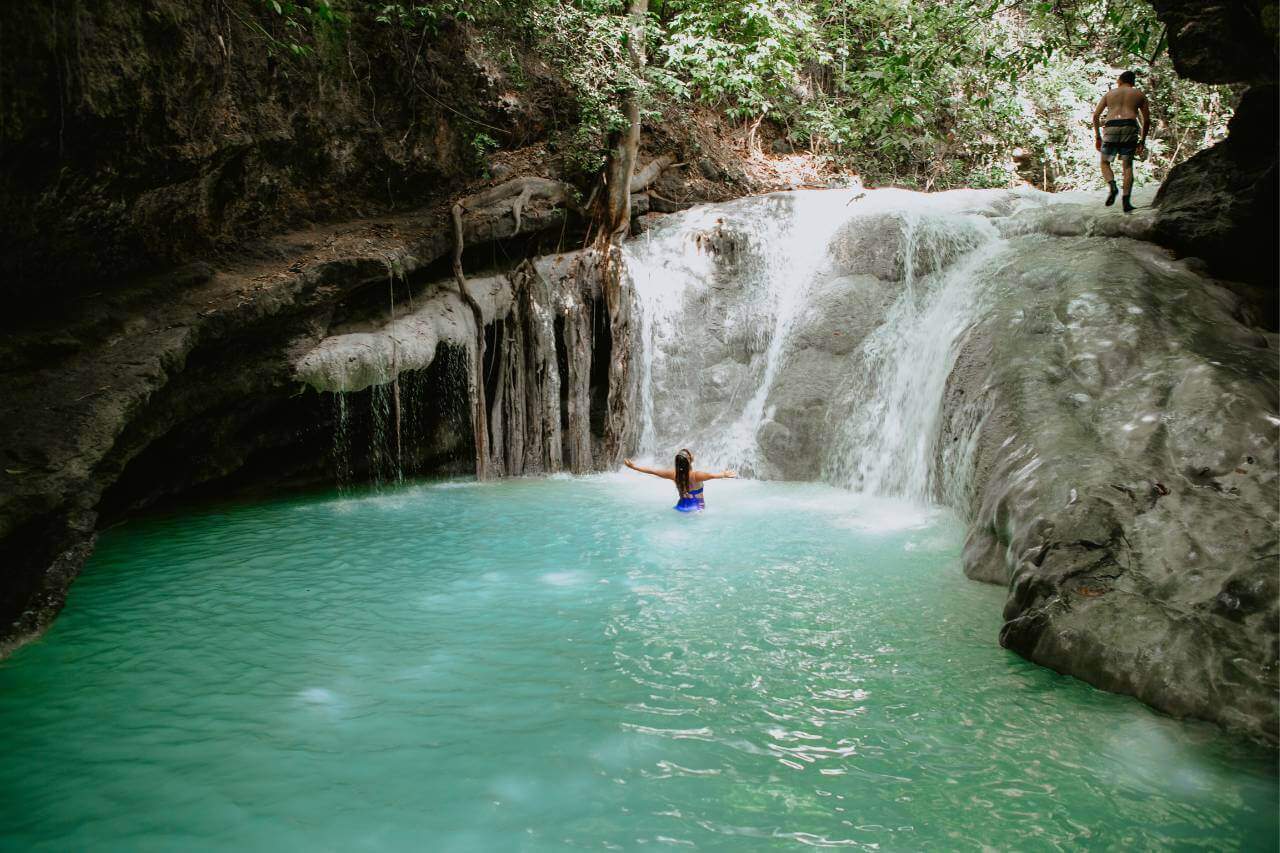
(664,473)
(727,474)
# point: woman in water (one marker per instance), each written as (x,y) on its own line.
(688,481)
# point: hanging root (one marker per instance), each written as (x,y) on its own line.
(475,384)
(513,196)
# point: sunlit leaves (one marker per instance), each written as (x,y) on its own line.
(892,88)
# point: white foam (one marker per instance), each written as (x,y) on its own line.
(318,696)
(564,578)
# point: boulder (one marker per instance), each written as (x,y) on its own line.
(1123,479)
(1220,205)
(1221,41)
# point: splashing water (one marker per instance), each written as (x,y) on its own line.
(886,419)
(725,290)
(688,274)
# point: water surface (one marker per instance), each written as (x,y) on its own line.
(550,664)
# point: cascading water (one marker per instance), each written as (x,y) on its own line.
(885,419)
(731,277)
(810,334)
(341,441)
(801,336)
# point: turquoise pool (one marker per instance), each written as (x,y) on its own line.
(567,663)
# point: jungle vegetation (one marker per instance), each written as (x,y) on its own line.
(926,93)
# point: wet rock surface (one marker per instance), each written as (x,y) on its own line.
(1124,478)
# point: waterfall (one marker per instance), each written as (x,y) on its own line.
(810,334)
(886,417)
(733,276)
(341,441)
(804,335)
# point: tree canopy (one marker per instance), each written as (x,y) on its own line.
(930,93)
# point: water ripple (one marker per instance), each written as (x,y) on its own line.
(538,665)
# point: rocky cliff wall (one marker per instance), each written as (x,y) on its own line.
(1221,204)
(137,136)
(167,389)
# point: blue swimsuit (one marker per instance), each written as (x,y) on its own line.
(694,503)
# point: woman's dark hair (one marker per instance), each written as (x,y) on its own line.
(1128,77)
(684,463)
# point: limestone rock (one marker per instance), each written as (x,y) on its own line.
(1125,480)
(1221,41)
(1220,205)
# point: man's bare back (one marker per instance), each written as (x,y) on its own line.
(1123,136)
(1123,102)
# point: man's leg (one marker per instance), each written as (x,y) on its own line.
(1110,177)
(1128,182)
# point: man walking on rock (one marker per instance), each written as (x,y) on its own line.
(1120,135)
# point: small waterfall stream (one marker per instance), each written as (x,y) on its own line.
(885,419)
(738,298)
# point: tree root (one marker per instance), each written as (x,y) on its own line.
(650,172)
(518,192)
(514,196)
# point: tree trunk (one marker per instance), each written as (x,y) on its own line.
(543,444)
(616,219)
(616,224)
(619,432)
(511,196)
(643,177)
(578,347)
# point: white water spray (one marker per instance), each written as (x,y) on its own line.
(731,279)
(725,289)
(886,419)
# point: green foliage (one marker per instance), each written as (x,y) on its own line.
(586,43)
(933,93)
(428,16)
(481,145)
(296,25)
(742,55)
(929,92)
